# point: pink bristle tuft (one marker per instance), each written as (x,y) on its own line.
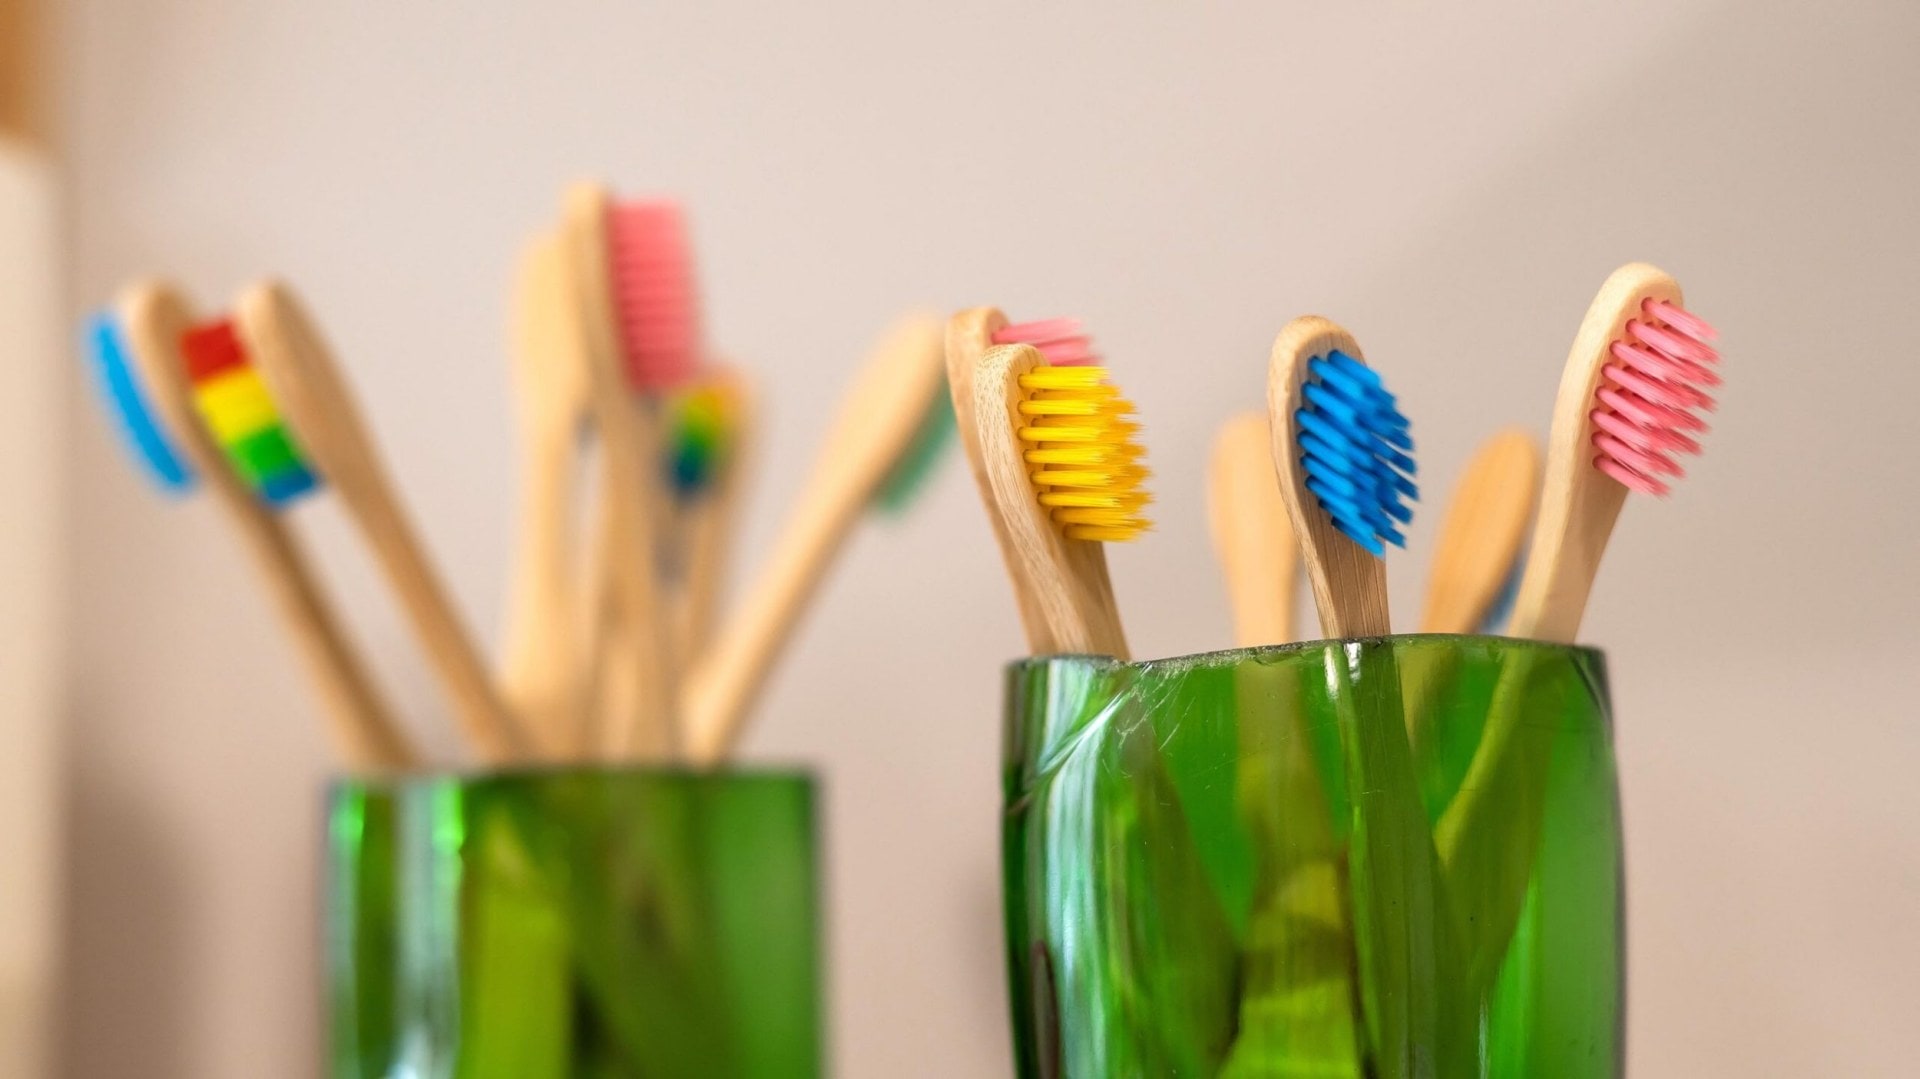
(1062,341)
(1649,396)
(656,302)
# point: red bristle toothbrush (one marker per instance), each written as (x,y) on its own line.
(276,337)
(970,333)
(1629,401)
(634,288)
(876,453)
(145,332)
(541,661)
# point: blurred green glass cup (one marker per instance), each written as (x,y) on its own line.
(1382,858)
(574,922)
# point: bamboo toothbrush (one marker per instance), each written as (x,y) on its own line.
(1251,533)
(304,384)
(136,350)
(1341,448)
(639,324)
(710,446)
(1064,475)
(1483,535)
(1634,382)
(969,335)
(893,410)
(541,665)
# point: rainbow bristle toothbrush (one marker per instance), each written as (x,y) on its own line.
(709,441)
(140,356)
(276,338)
(1064,474)
(874,449)
(239,412)
(1343,453)
(1477,559)
(970,333)
(1251,533)
(1630,402)
(640,322)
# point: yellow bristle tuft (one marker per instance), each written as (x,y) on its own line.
(1085,457)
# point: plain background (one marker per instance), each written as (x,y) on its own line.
(1451,181)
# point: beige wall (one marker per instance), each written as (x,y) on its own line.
(1452,182)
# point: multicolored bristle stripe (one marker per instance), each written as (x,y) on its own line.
(1650,397)
(702,436)
(1357,451)
(1062,341)
(141,428)
(239,412)
(1086,458)
(656,301)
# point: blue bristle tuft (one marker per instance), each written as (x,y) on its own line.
(141,428)
(1357,452)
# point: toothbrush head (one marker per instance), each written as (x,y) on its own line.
(1063,342)
(1355,450)
(911,473)
(240,414)
(655,300)
(703,434)
(141,428)
(1083,454)
(1646,409)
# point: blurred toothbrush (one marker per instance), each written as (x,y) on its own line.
(634,287)
(709,443)
(273,335)
(168,419)
(890,428)
(1251,533)
(1063,476)
(1478,557)
(542,667)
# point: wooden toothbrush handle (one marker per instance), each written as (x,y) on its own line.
(540,660)
(633,659)
(730,678)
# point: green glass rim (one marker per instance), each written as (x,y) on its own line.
(1226,657)
(771,775)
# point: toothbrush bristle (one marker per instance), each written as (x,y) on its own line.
(701,436)
(656,303)
(1651,395)
(1356,450)
(1062,341)
(141,427)
(240,414)
(1086,461)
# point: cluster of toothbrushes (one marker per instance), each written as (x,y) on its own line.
(618,648)
(1326,476)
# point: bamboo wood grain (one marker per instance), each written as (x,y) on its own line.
(155,316)
(631,661)
(1349,583)
(541,666)
(1252,534)
(298,368)
(879,418)
(709,527)
(1483,533)
(1063,581)
(969,336)
(1578,502)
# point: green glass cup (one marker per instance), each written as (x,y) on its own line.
(575,922)
(1388,857)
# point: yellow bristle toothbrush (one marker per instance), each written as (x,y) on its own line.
(887,433)
(306,388)
(1634,383)
(138,352)
(1477,559)
(1064,472)
(1251,533)
(542,664)
(631,661)
(969,335)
